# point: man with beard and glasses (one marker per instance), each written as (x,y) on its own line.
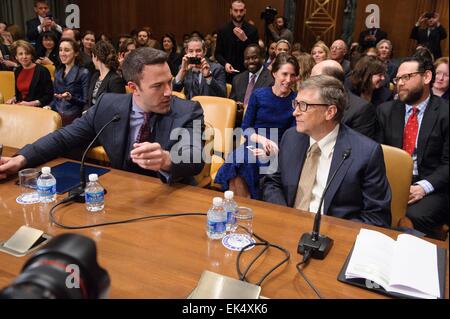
(418,123)
(233,38)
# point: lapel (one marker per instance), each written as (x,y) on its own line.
(103,86)
(428,121)
(34,81)
(300,148)
(120,132)
(342,145)
(398,124)
(163,127)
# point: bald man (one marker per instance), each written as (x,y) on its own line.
(359,114)
(338,51)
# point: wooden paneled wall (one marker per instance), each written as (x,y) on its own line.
(398,17)
(177,16)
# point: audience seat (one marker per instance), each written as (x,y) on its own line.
(128,89)
(51,68)
(1,98)
(21,125)
(7,85)
(179,94)
(399,170)
(204,178)
(221,114)
(229,87)
(98,154)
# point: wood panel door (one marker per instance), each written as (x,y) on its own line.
(319,20)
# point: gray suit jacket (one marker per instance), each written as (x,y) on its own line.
(240,83)
(115,137)
(217,87)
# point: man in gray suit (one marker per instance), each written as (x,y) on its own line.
(198,75)
(152,131)
(359,114)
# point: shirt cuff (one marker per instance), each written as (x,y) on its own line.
(59,28)
(426,185)
(165,177)
(39,28)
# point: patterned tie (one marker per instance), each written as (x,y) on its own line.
(307,178)
(410,132)
(195,84)
(250,87)
(144,131)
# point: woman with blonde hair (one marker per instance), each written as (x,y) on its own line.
(440,86)
(320,52)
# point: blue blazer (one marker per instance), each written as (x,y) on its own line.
(360,191)
(115,137)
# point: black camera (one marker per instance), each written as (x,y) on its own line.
(66,268)
(429,15)
(195,60)
(269,14)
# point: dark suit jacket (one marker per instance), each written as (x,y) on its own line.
(112,83)
(432,42)
(41,87)
(32,31)
(115,137)
(360,191)
(379,35)
(229,49)
(432,146)
(360,115)
(240,83)
(217,87)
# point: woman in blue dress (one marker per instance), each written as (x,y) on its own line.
(267,117)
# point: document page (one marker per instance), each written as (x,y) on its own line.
(372,257)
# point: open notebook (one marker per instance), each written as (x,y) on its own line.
(406,267)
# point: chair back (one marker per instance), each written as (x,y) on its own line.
(399,170)
(21,125)
(221,114)
(128,89)
(51,68)
(229,87)
(179,94)
(204,178)
(7,85)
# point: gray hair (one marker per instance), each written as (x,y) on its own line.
(389,43)
(331,92)
(134,63)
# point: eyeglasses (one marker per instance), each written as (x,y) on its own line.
(303,106)
(405,77)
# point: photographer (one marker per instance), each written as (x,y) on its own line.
(429,33)
(42,23)
(198,75)
(279,30)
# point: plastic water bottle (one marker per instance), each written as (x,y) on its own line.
(94,194)
(46,186)
(230,207)
(216,220)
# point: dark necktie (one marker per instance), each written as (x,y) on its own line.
(250,87)
(195,84)
(410,132)
(144,131)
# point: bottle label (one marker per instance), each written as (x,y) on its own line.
(44,191)
(95,198)
(216,227)
(231,218)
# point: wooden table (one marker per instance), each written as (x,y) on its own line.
(164,258)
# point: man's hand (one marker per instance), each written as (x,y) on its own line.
(11,165)
(229,68)
(416,193)
(240,34)
(151,156)
(205,67)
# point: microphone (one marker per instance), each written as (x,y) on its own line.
(312,243)
(78,192)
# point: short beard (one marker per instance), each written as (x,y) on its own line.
(234,19)
(413,96)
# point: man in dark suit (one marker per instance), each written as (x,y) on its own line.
(359,114)
(370,37)
(42,23)
(311,152)
(430,36)
(204,77)
(418,123)
(338,52)
(157,134)
(233,38)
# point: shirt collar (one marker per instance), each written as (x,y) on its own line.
(250,74)
(421,107)
(136,109)
(327,144)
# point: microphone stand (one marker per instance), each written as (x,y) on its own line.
(313,244)
(78,192)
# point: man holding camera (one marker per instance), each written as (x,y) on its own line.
(279,30)
(429,33)
(42,23)
(233,38)
(198,75)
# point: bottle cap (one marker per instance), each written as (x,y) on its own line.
(46,170)
(229,195)
(217,201)
(93,177)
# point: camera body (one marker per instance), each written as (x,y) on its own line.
(195,60)
(429,15)
(269,14)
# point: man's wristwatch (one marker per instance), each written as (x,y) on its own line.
(209,75)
